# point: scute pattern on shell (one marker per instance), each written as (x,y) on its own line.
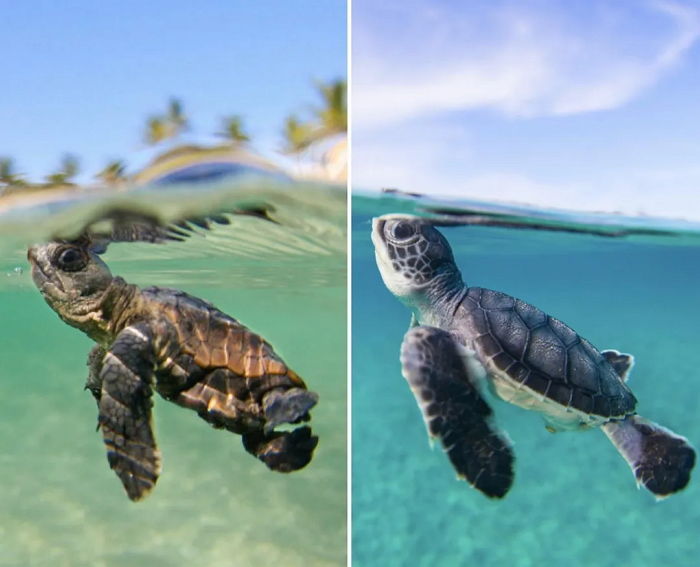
(216,340)
(227,368)
(544,354)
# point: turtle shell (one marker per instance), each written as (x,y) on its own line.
(228,367)
(543,354)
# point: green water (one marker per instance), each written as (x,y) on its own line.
(574,501)
(61,505)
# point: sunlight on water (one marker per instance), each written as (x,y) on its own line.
(214,504)
(574,501)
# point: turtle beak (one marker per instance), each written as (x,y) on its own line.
(378,224)
(381,254)
(378,231)
(35,258)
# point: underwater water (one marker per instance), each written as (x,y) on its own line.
(214,504)
(574,501)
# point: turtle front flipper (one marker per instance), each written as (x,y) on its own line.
(125,411)
(660,460)
(454,410)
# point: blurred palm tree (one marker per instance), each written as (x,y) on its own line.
(329,119)
(298,135)
(112,173)
(8,175)
(166,126)
(156,130)
(233,130)
(332,117)
(70,166)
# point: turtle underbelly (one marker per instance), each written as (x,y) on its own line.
(499,383)
(560,417)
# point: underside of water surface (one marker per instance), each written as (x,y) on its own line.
(214,504)
(574,500)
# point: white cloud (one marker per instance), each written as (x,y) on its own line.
(516,60)
(523,59)
(618,80)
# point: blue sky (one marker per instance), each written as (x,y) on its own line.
(590,104)
(82,76)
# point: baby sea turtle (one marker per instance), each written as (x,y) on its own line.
(463,337)
(190,352)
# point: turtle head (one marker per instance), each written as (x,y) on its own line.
(414,259)
(71,277)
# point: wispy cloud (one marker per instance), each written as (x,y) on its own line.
(516,58)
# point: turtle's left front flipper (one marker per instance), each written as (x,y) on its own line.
(125,410)
(454,410)
(660,460)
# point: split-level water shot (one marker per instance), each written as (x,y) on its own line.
(173,296)
(350,283)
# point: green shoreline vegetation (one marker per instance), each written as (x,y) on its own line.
(328,121)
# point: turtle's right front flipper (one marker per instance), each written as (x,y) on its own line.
(125,411)
(454,410)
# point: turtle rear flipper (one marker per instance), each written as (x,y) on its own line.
(660,459)
(454,410)
(282,451)
(621,362)
(125,411)
(287,406)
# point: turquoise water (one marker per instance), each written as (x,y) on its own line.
(214,504)
(574,501)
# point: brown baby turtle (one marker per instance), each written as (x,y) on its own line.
(191,353)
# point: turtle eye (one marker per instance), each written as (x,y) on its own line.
(71,259)
(402,230)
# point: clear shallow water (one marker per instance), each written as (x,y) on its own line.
(215,505)
(574,500)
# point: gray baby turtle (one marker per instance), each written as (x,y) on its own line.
(463,338)
(191,353)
